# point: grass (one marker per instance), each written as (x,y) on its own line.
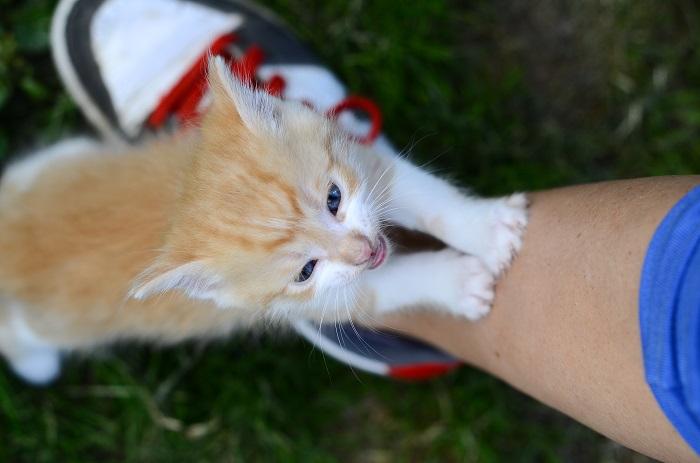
(503,95)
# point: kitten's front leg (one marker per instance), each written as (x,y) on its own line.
(447,280)
(490,229)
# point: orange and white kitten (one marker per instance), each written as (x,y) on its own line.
(267,210)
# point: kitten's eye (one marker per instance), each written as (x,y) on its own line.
(306,271)
(333,200)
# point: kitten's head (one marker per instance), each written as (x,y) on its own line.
(277,210)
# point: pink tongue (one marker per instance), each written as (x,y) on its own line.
(379,255)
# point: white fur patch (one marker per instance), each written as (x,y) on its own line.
(194,279)
(38,366)
(490,229)
(22,174)
(358,216)
(34,359)
(458,283)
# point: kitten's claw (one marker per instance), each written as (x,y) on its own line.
(477,289)
(473,286)
(506,222)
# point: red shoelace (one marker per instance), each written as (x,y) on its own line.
(183,100)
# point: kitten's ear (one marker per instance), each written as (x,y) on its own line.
(258,110)
(193,278)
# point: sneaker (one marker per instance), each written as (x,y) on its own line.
(127,89)
(380,352)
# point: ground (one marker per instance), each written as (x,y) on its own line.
(501,95)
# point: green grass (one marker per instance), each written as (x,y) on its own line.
(497,94)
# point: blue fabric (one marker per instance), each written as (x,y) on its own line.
(669,316)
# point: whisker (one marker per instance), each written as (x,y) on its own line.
(354,299)
(347,311)
(386,169)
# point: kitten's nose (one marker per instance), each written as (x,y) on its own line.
(356,249)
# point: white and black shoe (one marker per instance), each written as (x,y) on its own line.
(136,67)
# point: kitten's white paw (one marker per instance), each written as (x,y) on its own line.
(39,366)
(472,293)
(505,222)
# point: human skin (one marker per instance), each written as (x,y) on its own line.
(564,325)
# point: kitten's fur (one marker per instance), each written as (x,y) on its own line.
(193,234)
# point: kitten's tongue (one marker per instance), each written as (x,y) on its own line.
(379,254)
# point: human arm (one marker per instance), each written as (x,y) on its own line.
(564,326)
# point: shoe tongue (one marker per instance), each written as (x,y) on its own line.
(143,48)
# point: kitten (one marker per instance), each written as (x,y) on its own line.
(266,211)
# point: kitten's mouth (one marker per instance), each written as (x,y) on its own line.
(379,254)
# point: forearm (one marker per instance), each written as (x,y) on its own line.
(564,326)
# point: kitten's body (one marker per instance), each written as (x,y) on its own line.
(73,243)
(192,235)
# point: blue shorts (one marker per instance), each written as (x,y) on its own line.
(669,316)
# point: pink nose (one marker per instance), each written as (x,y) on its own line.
(355,249)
